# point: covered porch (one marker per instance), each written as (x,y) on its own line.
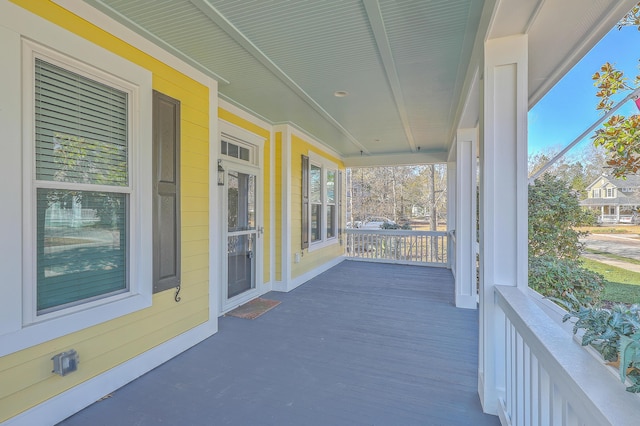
(396,83)
(362,343)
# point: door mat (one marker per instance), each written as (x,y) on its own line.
(254,308)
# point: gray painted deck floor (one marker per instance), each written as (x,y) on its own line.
(361,344)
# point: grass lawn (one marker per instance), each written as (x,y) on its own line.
(611,229)
(614,256)
(623,286)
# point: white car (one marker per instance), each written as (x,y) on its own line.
(377,222)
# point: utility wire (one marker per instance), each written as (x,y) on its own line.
(633,95)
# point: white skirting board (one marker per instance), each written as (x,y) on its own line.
(286,286)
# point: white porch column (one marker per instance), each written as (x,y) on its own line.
(503,201)
(617,214)
(465,268)
(451,214)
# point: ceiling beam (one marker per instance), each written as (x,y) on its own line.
(410,159)
(221,21)
(374,15)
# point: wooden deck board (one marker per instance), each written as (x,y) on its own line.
(361,344)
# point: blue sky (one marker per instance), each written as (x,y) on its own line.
(568,109)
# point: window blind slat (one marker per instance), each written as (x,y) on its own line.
(81,128)
(61,122)
(60,78)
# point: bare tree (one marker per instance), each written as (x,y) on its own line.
(398,193)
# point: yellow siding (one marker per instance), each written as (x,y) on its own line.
(26,375)
(316,258)
(266,175)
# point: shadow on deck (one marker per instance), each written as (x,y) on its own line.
(361,344)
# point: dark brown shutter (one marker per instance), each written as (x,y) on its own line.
(305,202)
(339,202)
(166,192)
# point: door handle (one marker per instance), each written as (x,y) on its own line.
(250,254)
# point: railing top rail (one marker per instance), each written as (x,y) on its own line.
(397,232)
(599,396)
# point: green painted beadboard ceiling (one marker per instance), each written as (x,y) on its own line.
(402,62)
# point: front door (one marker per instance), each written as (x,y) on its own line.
(242,233)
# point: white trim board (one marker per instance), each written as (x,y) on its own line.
(285,206)
(295,131)
(102,20)
(215,251)
(287,286)
(244,114)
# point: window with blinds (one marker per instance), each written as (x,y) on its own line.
(320,201)
(315,199)
(82,188)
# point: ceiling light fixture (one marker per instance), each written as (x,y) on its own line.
(340,93)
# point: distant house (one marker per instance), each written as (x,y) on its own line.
(617,200)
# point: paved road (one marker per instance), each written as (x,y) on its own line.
(627,245)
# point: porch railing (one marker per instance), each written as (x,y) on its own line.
(549,378)
(429,248)
(612,218)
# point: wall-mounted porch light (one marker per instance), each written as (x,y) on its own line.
(220,174)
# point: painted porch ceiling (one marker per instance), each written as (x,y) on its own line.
(404,63)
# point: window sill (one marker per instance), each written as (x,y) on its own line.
(322,244)
(34,334)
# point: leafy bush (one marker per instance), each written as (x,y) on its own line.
(554,212)
(615,333)
(565,279)
(555,270)
(404,226)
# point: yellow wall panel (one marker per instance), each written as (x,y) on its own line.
(316,258)
(198,142)
(25,376)
(193,115)
(194,166)
(199,136)
(194,232)
(195,217)
(196,190)
(194,262)
(200,204)
(196,246)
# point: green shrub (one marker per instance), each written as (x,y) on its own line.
(565,279)
(404,226)
(554,213)
(615,333)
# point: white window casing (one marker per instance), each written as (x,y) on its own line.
(21,325)
(326,237)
